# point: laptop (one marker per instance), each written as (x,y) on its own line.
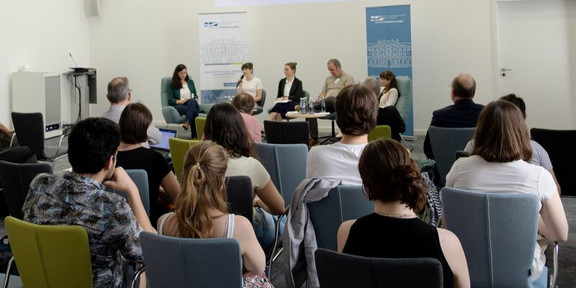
(163,147)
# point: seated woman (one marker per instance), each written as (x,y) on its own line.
(225,126)
(388,115)
(389,94)
(497,164)
(201,210)
(250,84)
(392,180)
(289,88)
(134,122)
(245,105)
(182,95)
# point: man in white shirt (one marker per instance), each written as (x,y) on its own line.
(119,96)
(356,110)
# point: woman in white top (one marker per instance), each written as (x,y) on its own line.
(389,91)
(182,95)
(201,210)
(498,164)
(250,84)
(225,126)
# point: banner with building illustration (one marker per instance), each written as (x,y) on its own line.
(223,43)
(389,47)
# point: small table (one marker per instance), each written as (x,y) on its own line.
(297,114)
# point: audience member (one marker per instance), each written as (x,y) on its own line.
(463,113)
(389,93)
(78,198)
(120,95)
(225,126)
(289,89)
(14,153)
(539,155)
(131,155)
(245,105)
(332,86)
(356,110)
(392,180)
(501,145)
(182,95)
(388,115)
(202,212)
(250,84)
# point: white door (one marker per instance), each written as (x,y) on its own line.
(537,59)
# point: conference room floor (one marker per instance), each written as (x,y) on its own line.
(567,259)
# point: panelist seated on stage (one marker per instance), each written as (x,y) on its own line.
(356,111)
(182,95)
(120,95)
(289,93)
(387,115)
(250,84)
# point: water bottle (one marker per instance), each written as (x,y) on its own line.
(323,105)
(302,106)
(311,107)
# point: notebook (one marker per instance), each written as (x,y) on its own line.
(163,145)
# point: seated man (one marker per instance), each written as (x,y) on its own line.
(120,95)
(78,198)
(244,102)
(356,110)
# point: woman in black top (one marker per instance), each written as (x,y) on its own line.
(289,89)
(392,180)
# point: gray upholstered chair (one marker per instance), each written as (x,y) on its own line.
(336,270)
(445,142)
(345,202)
(212,262)
(240,196)
(260,108)
(170,113)
(498,234)
(140,178)
(404,103)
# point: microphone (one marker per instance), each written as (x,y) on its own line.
(240,81)
(71,57)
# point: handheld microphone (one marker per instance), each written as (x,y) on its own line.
(71,57)
(240,81)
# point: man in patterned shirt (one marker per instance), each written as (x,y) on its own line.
(78,198)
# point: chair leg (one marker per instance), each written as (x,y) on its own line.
(554,277)
(332,136)
(7,276)
(274,255)
(139,272)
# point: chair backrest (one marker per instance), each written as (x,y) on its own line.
(380,131)
(29,129)
(291,132)
(16,178)
(286,164)
(240,195)
(186,262)
(164,86)
(344,202)
(560,146)
(305,95)
(498,234)
(178,149)
(200,122)
(404,103)
(50,256)
(445,142)
(140,178)
(263,100)
(338,270)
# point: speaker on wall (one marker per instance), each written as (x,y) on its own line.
(92,8)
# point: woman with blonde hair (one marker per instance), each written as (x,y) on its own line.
(201,210)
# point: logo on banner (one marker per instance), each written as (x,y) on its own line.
(377,19)
(211,24)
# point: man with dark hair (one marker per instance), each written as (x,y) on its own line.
(463,113)
(356,110)
(332,86)
(120,95)
(78,198)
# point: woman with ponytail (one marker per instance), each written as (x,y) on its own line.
(201,210)
(392,180)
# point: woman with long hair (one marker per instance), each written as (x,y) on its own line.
(392,180)
(201,210)
(183,96)
(134,121)
(389,93)
(225,126)
(498,164)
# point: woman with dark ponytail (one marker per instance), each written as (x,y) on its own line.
(392,180)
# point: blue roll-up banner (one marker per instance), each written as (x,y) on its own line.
(389,47)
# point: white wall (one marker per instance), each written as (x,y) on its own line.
(144,40)
(40,34)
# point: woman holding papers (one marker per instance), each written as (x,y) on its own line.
(182,96)
(289,93)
